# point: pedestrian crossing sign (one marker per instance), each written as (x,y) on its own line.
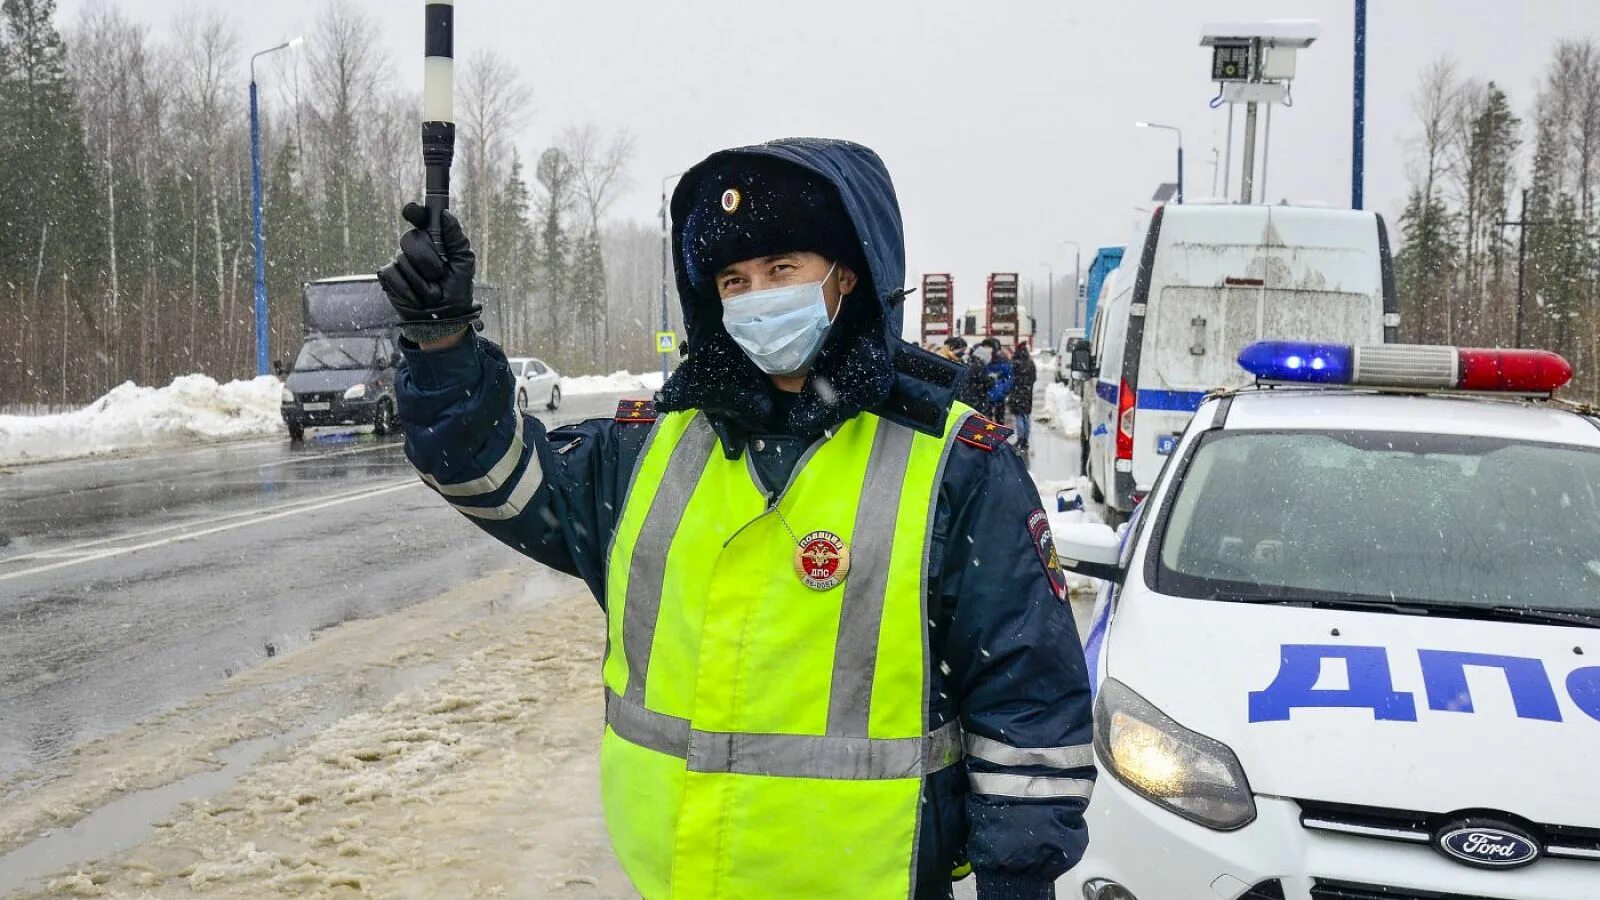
(666,341)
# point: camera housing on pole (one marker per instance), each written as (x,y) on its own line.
(1254,63)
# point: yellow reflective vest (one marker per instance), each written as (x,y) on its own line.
(766,722)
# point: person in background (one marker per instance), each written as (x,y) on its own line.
(1024,375)
(975,387)
(1000,380)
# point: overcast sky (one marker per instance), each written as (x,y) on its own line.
(1007,124)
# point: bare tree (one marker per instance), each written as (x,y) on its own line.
(344,66)
(208,54)
(494,105)
(599,165)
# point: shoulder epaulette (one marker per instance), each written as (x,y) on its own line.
(636,411)
(982,433)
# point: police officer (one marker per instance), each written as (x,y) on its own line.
(840,661)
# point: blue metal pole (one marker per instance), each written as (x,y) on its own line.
(1358,149)
(263,366)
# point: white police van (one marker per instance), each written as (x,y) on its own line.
(1350,645)
(1210,280)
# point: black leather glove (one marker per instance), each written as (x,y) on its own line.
(425,289)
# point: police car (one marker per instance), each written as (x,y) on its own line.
(1349,646)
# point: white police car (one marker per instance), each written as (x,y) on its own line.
(1355,648)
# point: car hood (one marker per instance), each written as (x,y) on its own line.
(1432,722)
(322,380)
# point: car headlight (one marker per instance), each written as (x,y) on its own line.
(356,393)
(1180,770)
(288,395)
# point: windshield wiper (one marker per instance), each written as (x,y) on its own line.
(352,357)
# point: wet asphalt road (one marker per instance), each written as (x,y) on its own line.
(130,585)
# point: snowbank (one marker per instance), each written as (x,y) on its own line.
(1064,408)
(615,383)
(192,408)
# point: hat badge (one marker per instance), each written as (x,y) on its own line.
(731,199)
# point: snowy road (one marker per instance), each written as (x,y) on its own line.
(129,585)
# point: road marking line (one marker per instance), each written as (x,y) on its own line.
(197,523)
(106,554)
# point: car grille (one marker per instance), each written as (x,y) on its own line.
(315,397)
(1349,890)
(1411,826)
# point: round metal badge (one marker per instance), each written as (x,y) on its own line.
(822,560)
(731,198)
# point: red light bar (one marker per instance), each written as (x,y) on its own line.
(1521,371)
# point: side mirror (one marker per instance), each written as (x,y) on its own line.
(396,359)
(1083,362)
(1090,549)
(279,367)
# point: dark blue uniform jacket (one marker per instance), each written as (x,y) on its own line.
(1006,657)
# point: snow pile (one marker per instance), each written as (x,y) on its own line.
(1064,409)
(130,417)
(615,383)
(484,783)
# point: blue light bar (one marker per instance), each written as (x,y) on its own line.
(1299,361)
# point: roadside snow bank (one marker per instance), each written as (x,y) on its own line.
(130,417)
(615,383)
(1065,411)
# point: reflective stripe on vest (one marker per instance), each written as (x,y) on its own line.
(784,755)
(756,725)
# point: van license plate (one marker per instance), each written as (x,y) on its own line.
(319,407)
(1166,443)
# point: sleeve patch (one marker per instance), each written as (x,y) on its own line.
(1044,543)
(982,433)
(636,411)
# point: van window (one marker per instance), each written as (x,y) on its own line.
(1194,334)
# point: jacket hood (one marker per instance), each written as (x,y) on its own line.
(859,367)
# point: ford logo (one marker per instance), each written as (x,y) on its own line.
(1492,845)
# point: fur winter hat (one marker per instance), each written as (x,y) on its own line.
(748,208)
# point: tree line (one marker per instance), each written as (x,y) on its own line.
(125,199)
(1480,175)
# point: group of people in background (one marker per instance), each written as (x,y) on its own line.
(999,381)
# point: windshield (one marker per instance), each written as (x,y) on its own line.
(1444,520)
(319,354)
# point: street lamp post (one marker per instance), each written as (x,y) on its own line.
(1077,276)
(666,240)
(1174,129)
(1050,304)
(262,364)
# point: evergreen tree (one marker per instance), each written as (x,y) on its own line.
(1424,266)
(288,222)
(53,249)
(588,296)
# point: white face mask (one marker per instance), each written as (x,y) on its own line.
(781,329)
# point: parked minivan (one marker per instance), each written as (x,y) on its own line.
(1212,279)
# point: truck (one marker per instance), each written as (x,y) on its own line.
(1001,308)
(343,372)
(938,307)
(1106,261)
